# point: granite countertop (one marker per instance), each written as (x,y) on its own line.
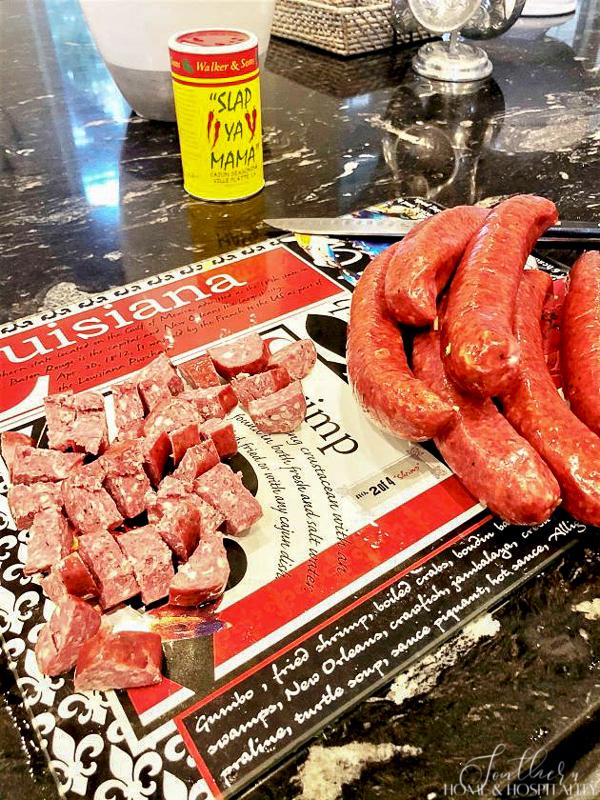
(91,197)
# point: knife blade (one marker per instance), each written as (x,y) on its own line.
(566,232)
(344,226)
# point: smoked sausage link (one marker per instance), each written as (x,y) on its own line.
(480,351)
(534,407)
(495,464)
(580,340)
(377,367)
(423,263)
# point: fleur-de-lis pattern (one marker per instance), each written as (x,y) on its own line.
(172,786)
(15,610)
(73,763)
(133,779)
(37,689)
(14,648)
(85,706)
(7,542)
(175,750)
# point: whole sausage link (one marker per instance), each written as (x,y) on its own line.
(377,367)
(580,340)
(534,407)
(423,263)
(495,464)
(480,350)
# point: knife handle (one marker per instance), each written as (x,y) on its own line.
(573,231)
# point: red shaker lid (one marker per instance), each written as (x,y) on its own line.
(213,38)
(213,41)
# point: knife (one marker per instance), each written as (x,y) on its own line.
(573,233)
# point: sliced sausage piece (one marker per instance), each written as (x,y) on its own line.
(223,489)
(113,573)
(173,489)
(76,422)
(89,476)
(72,624)
(9,441)
(126,480)
(119,661)
(89,507)
(253,387)
(163,372)
(182,439)
(60,416)
(27,500)
(205,402)
(121,457)
(178,523)
(90,433)
(129,411)
(50,539)
(221,433)
(156,449)
(163,504)
(153,393)
(580,340)
(425,260)
(228,398)
(170,489)
(129,492)
(77,578)
(534,407)
(151,561)
(216,401)
(280,412)
(204,577)
(170,415)
(86,402)
(70,576)
(53,587)
(495,464)
(200,373)
(197,459)
(378,370)
(33,464)
(248,354)
(480,350)
(211,518)
(297,358)
(89,430)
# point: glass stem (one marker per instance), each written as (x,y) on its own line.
(453,49)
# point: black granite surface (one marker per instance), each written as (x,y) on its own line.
(91,197)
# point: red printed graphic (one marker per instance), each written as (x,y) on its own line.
(217,130)
(146,697)
(119,337)
(213,65)
(251,122)
(361,552)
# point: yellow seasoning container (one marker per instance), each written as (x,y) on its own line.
(217,101)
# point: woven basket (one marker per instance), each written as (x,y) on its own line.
(346,27)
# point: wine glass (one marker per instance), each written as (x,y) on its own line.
(451,60)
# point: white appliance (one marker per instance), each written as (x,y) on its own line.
(132,37)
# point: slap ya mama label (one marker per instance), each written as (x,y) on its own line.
(217,101)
